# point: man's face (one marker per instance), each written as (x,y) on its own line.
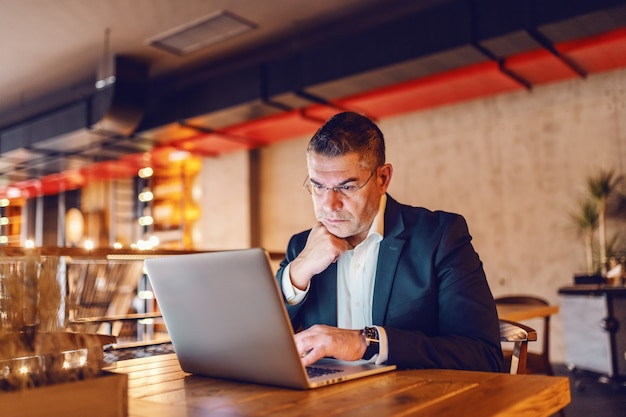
(348,217)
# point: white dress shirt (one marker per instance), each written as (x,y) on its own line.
(356,273)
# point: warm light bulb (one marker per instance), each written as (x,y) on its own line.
(145,196)
(145,295)
(145,172)
(29,244)
(145,221)
(88,244)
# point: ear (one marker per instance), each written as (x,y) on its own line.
(384,175)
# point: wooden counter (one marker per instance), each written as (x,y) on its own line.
(595,335)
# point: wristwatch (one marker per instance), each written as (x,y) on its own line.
(372,340)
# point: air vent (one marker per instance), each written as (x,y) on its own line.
(208,30)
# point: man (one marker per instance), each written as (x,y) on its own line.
(377,279)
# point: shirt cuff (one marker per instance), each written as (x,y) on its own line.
(292,294)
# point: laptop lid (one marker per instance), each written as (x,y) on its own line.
(226,318)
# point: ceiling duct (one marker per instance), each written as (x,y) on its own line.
(78,128)
(118,108)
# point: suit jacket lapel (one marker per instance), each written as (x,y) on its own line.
(388,256)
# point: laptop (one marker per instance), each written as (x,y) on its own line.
(225,315)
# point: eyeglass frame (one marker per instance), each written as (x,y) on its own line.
(338,189)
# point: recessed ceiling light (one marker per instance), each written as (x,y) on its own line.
(207,30)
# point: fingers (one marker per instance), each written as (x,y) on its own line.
(321,249)
(320,341)
(324,247)
(310,344)
(311,356)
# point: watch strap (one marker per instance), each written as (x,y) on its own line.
(372,340)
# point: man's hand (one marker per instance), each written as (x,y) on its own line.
(322,248)
(319,341)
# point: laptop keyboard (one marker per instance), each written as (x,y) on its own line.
(314,371)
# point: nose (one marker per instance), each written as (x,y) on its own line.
(331,200)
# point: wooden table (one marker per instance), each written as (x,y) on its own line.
(159,388)
(521,312)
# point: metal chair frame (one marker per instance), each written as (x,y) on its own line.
(537,362)
(518,334)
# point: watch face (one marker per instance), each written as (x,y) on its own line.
(371,334)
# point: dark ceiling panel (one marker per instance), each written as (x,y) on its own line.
(55,123)
(462,84)
(600,53)
(20,155)
(211,95)
(497,18)
(133,144)
(46,166)
(585,26)
(253,109)
(71,142)
(540,67)
(553,10)
(510,44)
(398,73)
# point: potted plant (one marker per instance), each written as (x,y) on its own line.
(586,223)
(603,190)
(601,187)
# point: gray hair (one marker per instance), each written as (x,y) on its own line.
(350,132)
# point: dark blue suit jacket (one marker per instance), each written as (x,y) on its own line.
(430,293)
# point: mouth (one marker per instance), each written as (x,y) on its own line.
(335,227)
(333,222)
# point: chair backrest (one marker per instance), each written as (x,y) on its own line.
(518,334)
(545,334)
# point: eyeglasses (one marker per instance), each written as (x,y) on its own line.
(343,190)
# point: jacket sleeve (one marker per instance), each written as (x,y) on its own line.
(454,322)
(295,246)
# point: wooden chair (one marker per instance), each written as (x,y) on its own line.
(518,334)
(538,363)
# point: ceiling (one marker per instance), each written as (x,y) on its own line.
(298,63)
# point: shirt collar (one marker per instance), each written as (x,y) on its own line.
(378,225)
